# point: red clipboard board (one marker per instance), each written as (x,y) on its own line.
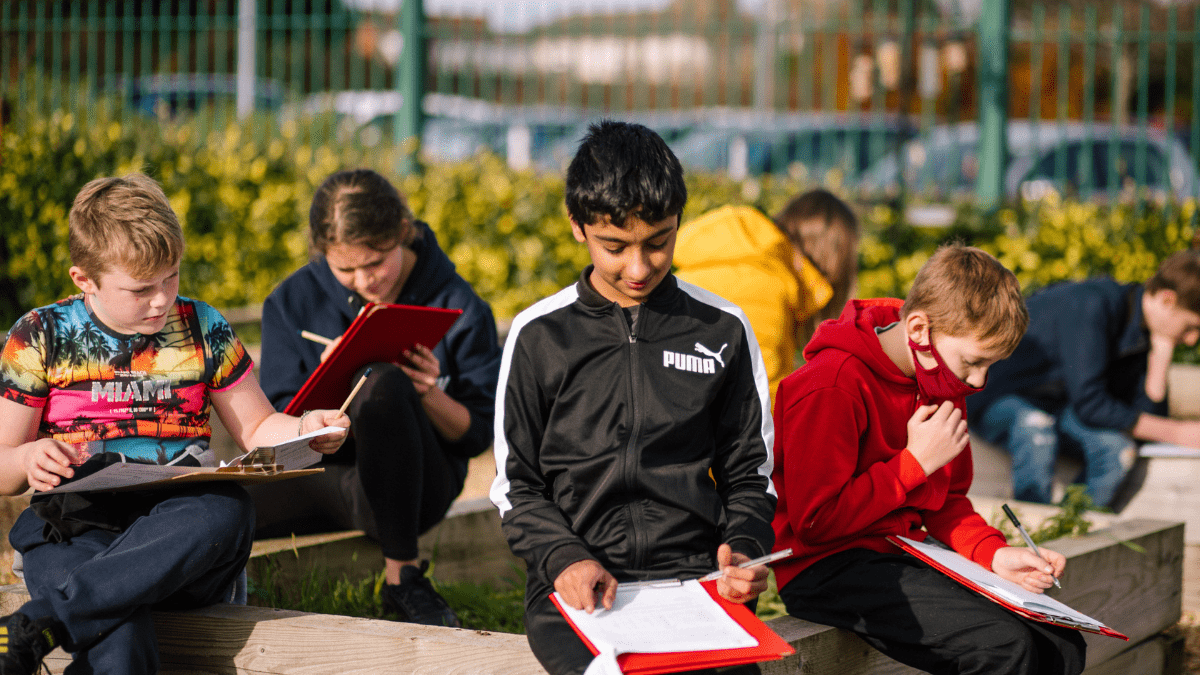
(380,332)
(1003,602)
(770,647)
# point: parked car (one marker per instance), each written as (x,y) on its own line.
(169,95)
(1092,161)
(811,145)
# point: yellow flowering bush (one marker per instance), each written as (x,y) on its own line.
(242,192)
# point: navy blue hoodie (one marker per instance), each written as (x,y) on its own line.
(1086,347)
(312,299)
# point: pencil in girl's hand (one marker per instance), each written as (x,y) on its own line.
(361,381)
(307,335)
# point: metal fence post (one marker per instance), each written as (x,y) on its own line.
(993,102)
(246,52)
(410,121)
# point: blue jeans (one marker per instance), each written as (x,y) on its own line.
(186,550)
(1034,438)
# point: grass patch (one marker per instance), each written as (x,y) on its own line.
(492,607)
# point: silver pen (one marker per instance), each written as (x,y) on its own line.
(1028,540)
(765,560)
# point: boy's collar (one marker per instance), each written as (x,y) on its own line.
(1135,337)
(589,296)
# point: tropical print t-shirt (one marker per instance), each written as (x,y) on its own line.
(146,396)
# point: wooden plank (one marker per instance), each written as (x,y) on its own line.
(1168,490)
(1137,593)
(1159,655)
(237,639)
(1191,578)
(828,651)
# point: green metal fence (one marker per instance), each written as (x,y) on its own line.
(916,99)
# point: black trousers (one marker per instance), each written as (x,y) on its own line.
(391,479)
(561,652)
(922,618)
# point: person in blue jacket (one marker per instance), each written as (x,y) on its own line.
(1090,377)
(416,423)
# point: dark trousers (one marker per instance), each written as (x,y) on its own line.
(392,479)
(185,551)
(560,651)
(922,618)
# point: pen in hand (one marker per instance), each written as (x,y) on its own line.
(766,559)
(1025,535)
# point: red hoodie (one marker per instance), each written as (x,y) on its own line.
(844,477)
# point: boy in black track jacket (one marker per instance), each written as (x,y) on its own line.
(617,397)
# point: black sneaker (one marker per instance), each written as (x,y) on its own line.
(415,601)
(24,642)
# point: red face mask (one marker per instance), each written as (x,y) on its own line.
(940,383)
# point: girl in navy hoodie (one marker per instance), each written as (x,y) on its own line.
(416,424)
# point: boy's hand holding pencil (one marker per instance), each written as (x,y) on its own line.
(736,583)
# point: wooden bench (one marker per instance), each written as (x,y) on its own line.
(1135,591)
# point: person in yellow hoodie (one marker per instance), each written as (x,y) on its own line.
(783,273)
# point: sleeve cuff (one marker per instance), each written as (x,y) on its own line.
(986,550)
(563,557)
(747,547)
(908,470)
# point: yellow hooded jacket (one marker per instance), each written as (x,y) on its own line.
(739,254)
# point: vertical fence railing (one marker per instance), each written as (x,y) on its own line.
(1110,90)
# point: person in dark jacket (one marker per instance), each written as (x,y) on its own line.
(618,396)
(416,423)
(1090,377)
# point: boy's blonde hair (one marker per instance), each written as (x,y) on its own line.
(1179,272)
(967,293)
(124,221)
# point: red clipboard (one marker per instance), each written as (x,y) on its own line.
(380,333)
(1003,602)
(770,647)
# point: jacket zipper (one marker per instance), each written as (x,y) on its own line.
(629,468)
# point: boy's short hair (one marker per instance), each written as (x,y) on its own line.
(124,221)
(825,230)
(359,206)
(623,169)
(967,293)
(1180,273)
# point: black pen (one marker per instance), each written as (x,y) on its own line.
(1028,540)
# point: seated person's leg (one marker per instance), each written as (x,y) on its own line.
(552,640)
(920,617)
(1029,435)
(409,483)
(185,551)
(130,648)
(1108,456)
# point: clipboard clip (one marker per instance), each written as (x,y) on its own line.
(258,460)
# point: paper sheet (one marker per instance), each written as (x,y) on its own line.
(1002,588)
(293,454)
(676,618)
(1168,450)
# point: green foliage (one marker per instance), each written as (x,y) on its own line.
(1042,244)
(1070,520)
(499,608)
(317,591)
(242,192)
(770,605)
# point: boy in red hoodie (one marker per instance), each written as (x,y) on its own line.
(872,441)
